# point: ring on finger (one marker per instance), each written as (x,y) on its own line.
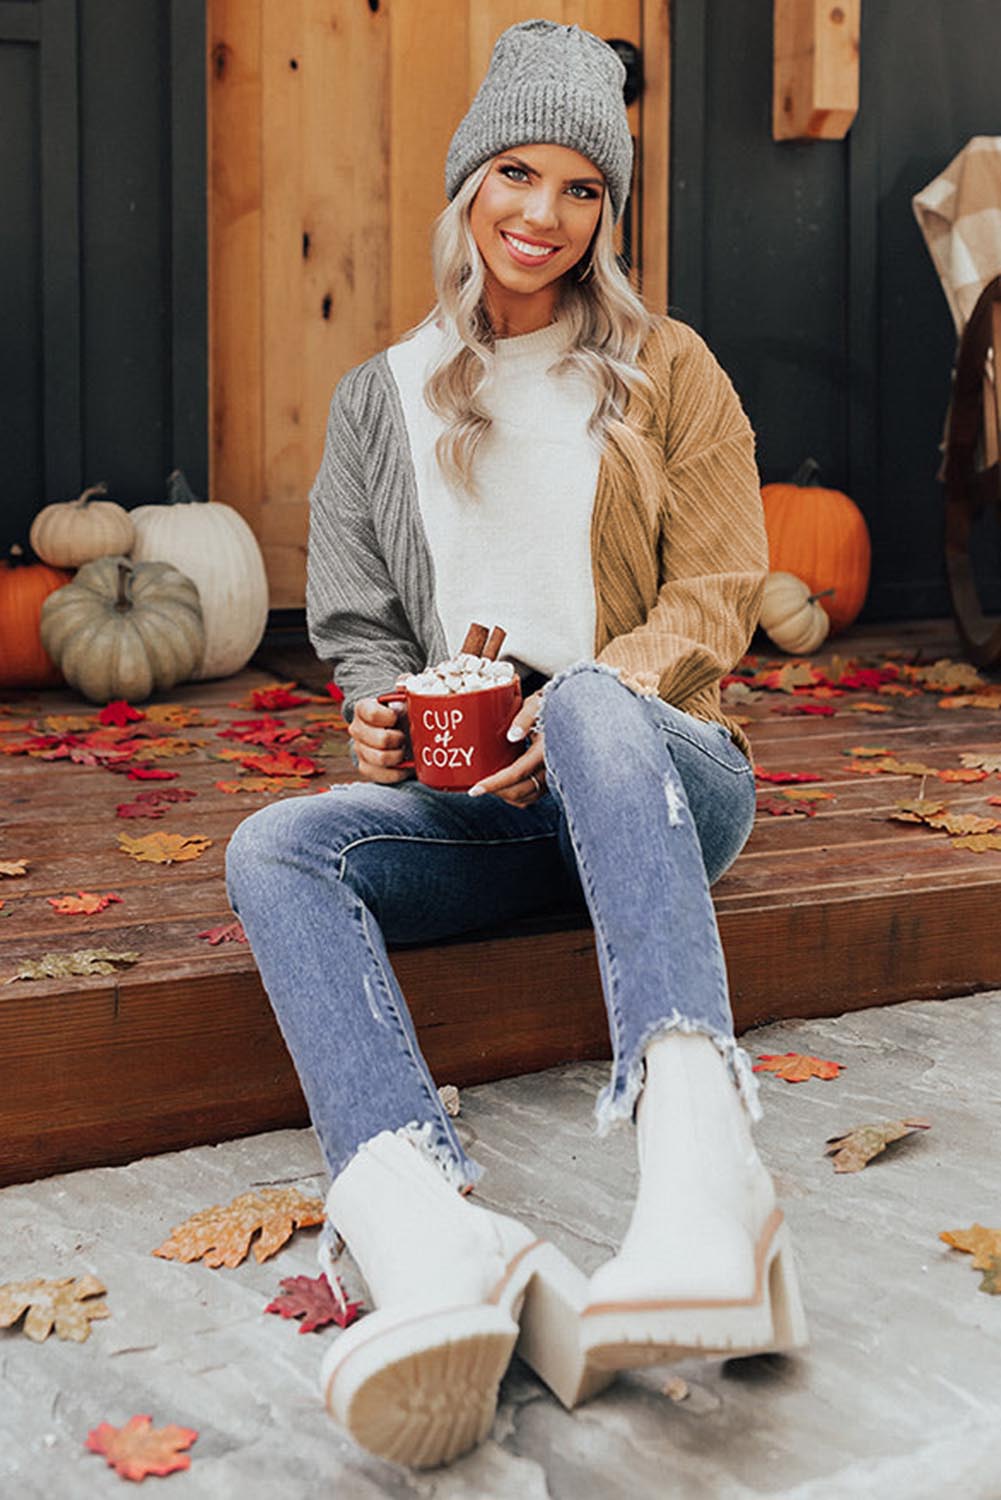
(536,782)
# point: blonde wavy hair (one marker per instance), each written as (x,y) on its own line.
(607,325)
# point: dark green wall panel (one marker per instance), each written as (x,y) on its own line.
(803,266)
(20,273)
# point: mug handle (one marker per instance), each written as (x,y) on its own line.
(398,696)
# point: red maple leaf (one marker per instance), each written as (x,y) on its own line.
(146,773)
(783,809)
(867,678)
(166,794)
(226,932)
(121,713)
(821,709)
(271,699)
(760,774)
(261,731)
(139,810)
(311,1298)
(139,1448)
(335,692)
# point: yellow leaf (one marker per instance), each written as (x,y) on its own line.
(165,748)
(80,961)
(962,822)
(163,848)
(982,760)
(805,794)
(53,1303)
(221,1235)
(979,843)
(853,1150)
(13,867)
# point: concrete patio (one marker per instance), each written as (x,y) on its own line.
(898,1396)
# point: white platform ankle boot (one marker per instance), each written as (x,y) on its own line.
(416,1380)
(706,1265)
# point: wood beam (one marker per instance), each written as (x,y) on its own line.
(815,89)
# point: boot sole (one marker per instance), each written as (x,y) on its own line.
(423,1390)
(630,1334)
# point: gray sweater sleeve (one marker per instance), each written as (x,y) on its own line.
(354,615)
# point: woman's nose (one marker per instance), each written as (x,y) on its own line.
(541,207)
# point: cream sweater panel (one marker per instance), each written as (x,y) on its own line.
(519,555)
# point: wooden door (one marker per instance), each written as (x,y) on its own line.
(329,121)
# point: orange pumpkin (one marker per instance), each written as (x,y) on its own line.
(820,536)
(24,586)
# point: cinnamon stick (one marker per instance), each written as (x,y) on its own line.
(476,637)
(494,642)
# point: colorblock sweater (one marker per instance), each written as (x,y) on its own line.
(676,590)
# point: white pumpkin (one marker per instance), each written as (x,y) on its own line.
(791,616)
(212,544)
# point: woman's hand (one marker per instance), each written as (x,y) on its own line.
(524,781)
(378,743)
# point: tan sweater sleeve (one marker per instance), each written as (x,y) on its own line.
(713,552)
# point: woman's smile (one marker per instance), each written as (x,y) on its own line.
(528,252)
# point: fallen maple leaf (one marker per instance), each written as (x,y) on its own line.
(80,961)
(978,843)
(335,692)
(13,867)
(982,760)
(226,932)
(281,763)
(967,773)
(852,1150)
(780,777)
(312,1299)
(139,810)
(164,848)
(263,784)
(59,1304)
(796,1067)
(982,1243)
(265,731)
(69,723)
(944,675)
(785,809)
(166,747)
(863,752)
(177,715)
(277,697)
(221,1235)
(820,710)
(897,689)
(119,712)
(964,823)
(863,706)
(787,678)
(84,903)
(139,1448)
(915,812)
(994,801)
(149,773)
(805,794)
(159,794)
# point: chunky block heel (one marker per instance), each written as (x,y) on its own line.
(550,1338)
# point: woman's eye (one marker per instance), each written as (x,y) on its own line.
(507,169)
(583,190)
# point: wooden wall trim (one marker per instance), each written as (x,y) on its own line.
(655,153)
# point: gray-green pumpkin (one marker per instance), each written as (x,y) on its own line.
(124,630)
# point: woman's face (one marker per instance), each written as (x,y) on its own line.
(533,219)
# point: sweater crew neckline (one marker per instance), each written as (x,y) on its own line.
(550,340)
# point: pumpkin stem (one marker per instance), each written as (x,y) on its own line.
(179,491)
(824,593)
(124,601)
(808,473)
(88,495)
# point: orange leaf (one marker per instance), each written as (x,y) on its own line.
(983,1244)
(865,751)
(796,1067)
(166,746)
(263,784)
(805,794)
(221,1235)
(863,706)
(226,932)
(281,763)
(84,903)
(177,715)
(784,809)
(163,848)
(13,867)
(139,1448)
(967,773)
(853,1150)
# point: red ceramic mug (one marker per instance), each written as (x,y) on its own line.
(458,738)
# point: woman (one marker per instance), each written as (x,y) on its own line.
(543,452)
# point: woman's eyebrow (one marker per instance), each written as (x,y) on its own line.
(597,181)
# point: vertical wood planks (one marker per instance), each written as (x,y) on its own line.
(815,87)
(236,448)
(654,170)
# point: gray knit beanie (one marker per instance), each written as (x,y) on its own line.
(554,84)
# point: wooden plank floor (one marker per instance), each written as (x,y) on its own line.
(819,915)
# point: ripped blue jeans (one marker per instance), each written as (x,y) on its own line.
(645,807)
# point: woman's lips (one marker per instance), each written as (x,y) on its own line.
(523,258)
